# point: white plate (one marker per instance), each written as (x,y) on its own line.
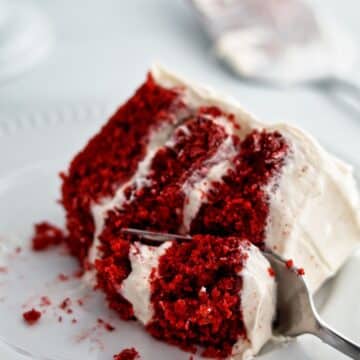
(33,149)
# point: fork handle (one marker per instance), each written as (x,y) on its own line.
(337,341)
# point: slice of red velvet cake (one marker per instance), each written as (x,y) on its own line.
(177,158)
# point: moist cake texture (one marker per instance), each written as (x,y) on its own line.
(177,158)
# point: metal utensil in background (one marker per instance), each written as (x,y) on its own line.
(296,314)
(156,237)
(282,43)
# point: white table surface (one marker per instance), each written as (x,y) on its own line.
(104,48)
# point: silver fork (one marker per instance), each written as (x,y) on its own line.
(296,314)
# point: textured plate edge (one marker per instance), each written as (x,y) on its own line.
(57,115)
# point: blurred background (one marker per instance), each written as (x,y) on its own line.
(93,54)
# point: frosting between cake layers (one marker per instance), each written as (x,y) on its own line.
(198,185)
(314,210)
(258,304)
(136,287)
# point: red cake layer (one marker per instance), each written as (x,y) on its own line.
(127,354)
(195,294)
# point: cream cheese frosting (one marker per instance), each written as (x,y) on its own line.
(136,287)
(258,304)
(314,210)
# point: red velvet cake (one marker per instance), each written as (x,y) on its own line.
(176,159)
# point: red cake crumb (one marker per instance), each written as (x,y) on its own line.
(32,316)
(46,235)
(45,301)
(63,277)
(73,321)
(271,272)
(60,319)
(127,354)
(196,295)
(65,304)
(289,263)
(3,269)
(107,326)
(301,272)
(78,273)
